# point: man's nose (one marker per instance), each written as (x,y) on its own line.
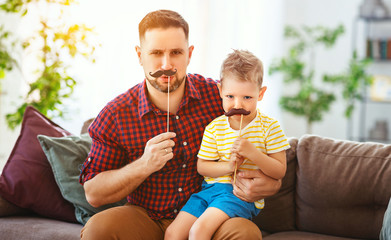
(166,62)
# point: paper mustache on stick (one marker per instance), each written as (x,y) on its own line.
(241,112)
(167,73)
(236,111)
(160,73)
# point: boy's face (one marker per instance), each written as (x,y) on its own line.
(241,94)
(165,49)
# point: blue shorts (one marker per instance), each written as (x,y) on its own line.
(219,195)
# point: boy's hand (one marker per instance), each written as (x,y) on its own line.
(242,147)
(236,160)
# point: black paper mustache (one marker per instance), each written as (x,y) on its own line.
(159,73)
(236,111)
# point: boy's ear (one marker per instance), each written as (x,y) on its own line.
(219,87)
(261,93)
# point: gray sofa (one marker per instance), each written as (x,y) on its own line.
(333,190)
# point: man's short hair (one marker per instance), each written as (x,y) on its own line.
(243,65)
(162,19)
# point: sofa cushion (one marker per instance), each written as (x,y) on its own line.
(9,209)
(66,155)
(27,179)
(342,186)
(38,228)
(297,235)
(279,212)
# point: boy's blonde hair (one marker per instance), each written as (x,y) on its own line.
(243,65)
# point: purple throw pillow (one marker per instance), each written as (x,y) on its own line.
(27,179)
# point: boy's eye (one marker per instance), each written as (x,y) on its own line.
(247,97)
(229,96)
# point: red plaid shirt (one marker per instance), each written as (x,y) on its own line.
(125,124)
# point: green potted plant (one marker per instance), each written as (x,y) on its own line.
(7,62)
(309,101)
(59,41)
(352,82)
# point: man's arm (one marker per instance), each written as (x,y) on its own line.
(251,186)
(114,185)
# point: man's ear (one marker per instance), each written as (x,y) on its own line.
(191,48)
(262,93)
(138,51)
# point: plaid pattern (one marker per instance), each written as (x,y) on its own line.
(125,124)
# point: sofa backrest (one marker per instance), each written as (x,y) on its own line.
(342,187)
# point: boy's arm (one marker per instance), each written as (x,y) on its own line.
(273,165)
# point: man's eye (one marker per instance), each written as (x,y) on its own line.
(229,96)
(176,52)
(247,97)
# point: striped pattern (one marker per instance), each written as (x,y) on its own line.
(264,132)
(122,128)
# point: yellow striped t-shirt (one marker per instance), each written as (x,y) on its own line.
(263,131)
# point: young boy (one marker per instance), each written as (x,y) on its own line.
(253,141)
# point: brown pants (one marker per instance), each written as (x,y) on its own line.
(133,222)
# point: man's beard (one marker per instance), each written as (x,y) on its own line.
(163,88)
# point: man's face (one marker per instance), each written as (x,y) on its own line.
(165,49)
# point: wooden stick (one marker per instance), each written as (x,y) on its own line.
(240,126)
(240,134)
(168,105)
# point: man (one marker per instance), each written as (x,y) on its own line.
(133,156)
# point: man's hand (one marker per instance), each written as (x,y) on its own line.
(252,186)
(158,151)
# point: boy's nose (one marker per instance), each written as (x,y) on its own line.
(238,103)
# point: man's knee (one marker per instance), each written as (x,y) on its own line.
(238,228)
(98,227)
(120,223)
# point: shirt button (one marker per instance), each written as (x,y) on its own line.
(184,165)
(179,189)
(177,117)
(175,210)
(184,143)
(89,159)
